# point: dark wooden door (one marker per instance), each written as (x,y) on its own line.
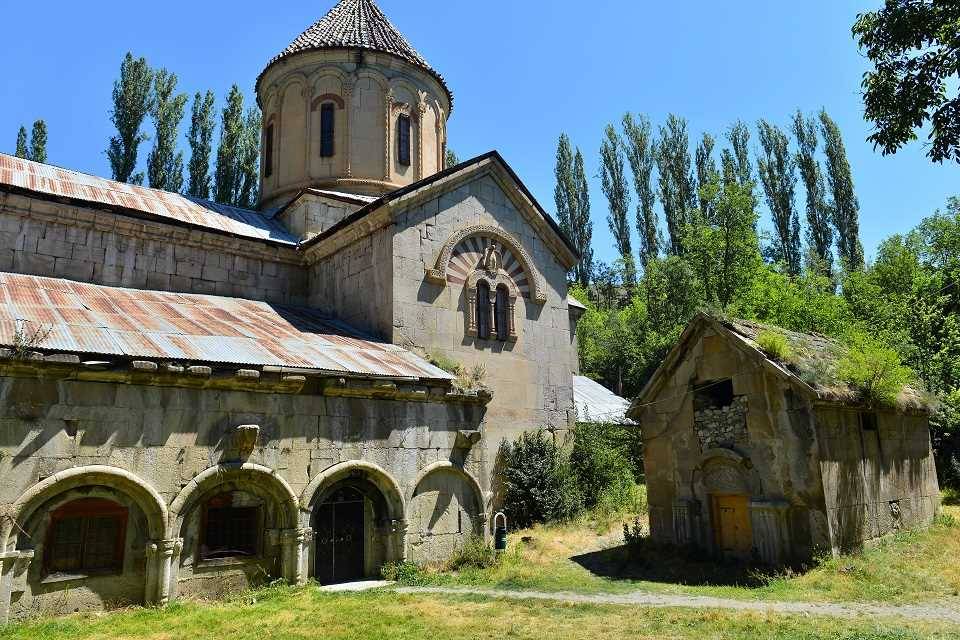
(731,522)
(339,538)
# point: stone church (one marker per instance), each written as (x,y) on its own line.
(195,398)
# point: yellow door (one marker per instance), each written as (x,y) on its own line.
(731,525)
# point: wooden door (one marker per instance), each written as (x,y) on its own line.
(339,535)
(731,525)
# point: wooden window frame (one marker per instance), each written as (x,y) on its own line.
(86,509)
(328,143)
(253,514)
(404,135)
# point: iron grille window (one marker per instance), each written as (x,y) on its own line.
(501,305)
(483,310)
(327,115)
(403,140)
(86,536)
(229,531)
(268,152)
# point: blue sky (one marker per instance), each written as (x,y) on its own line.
(521,72)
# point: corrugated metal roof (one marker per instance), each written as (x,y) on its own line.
(596,403)
(87,318)
(53,181)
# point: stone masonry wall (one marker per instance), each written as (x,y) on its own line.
(722,426)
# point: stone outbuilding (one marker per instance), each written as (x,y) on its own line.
(776,461)
(195,398)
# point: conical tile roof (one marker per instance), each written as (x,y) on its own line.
(357,24)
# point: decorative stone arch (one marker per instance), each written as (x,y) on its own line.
(440,272)
(329,72)
(288,82)
(255,477)
(327,97)
(142,494)
(382,480)
(446,465)
(376,76)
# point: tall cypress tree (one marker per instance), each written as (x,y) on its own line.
(677,191)
(165,163)
(228,177)
(778,176)
(706,172)
(22,150)
(819,233)
(844,206)
(131,103)
(640,154)
(250,160)
(582,222)
(614,183)
(38,142)
(736,160)
(564,192)
(202,124)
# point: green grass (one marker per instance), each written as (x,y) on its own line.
(911,567)
(285,613)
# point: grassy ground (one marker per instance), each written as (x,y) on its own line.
(283,613)
(912,567)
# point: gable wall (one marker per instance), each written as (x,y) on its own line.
(531,379)
(45,238)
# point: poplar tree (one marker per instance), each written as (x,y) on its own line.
(583,223)
(228,177)
(165,163)
(778,176)
(819,232)
(677,192)
(38,142)
(564,192)
(200,138)
(736,159)
(614,184)
(450,158)
(572,199)
(22,150)
(844,206)
(640,154)
(131,103)
(706,172)
(250,160)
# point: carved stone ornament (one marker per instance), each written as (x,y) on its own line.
(491,259)
(245,437)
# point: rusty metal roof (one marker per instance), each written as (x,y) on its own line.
(83,189)
(111,321)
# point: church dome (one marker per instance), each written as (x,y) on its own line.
(350,106)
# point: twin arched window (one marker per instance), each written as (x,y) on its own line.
(494,313)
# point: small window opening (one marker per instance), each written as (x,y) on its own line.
(483,310)
(86,536)
(403,140)
(501,305)
(268,152)
(715,394)
(229,531)
(868,421)
(327,116)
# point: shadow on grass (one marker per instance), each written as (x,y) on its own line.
(653,562)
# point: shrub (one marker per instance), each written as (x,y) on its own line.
(476,553)
(403,572)
(946,520)
(775,345)
(874,370)
(601,466)
(537,482)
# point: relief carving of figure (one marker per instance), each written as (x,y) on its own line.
(491,258)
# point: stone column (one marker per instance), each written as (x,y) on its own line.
(13,578)
(160,554)
(348,87)
(399,550)
(293,554)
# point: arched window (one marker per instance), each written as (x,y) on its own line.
(268,151)
(501,313)
(403,140)
(231,526)
(483,310)
(327,115)
(86,536)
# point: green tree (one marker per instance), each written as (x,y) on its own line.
(572,199)
(450,158)
(200,139)
(564,192)
(819,232)
(677,191)
(22,150)
(164,162)
(913,47)
(228,176)
(582,221)
(640,154)
(38,142)
(131,103)
(706,169)
(250,160)
(844,206)
(778,176)
(736,162)
(614,184)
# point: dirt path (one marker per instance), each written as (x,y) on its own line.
(927,613)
